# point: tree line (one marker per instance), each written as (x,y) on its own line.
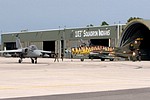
(104,23)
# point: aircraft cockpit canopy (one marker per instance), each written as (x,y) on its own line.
(33,47)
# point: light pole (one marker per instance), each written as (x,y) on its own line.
(62,40)
(57,41)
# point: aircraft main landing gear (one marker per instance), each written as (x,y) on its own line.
(21,57)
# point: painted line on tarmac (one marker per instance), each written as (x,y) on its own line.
(58,85)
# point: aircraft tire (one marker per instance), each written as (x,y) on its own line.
(111,59)
(82,59)
(20,61)
(102,59)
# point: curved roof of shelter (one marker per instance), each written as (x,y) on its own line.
(133,30)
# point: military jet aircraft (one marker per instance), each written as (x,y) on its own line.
(28,52)
(104,52)
(123,52)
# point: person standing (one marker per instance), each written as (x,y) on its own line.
(71,57)
(138,55)
(56,57)
(62,56)
(133,56)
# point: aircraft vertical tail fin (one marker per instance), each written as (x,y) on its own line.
(18,43)
(82,42)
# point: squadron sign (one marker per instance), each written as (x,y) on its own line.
(84,33)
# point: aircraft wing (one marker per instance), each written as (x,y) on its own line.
(46,52)
(12,51)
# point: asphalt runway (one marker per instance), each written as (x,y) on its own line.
(70,77)
(130,94)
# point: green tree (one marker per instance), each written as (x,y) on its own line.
(132,18)
(104,23)
(91,25)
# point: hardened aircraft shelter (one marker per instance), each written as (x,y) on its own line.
(138,29)
(57,40)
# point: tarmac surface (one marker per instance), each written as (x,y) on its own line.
(129,94)
(51,78)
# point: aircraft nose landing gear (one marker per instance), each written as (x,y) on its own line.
(34,61)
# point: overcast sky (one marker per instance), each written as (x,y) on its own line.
(17,15)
